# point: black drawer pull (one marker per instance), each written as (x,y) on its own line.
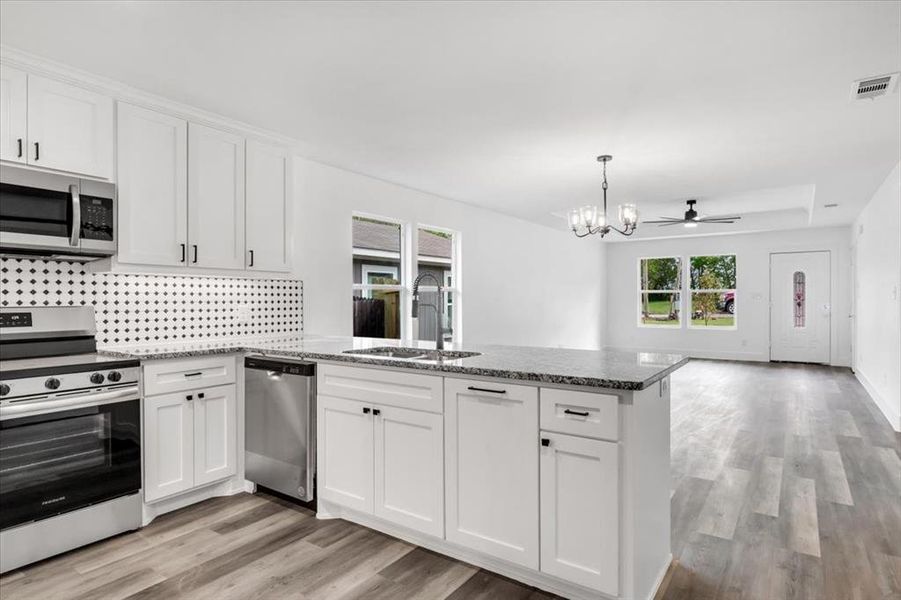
(545,442)
(575,412)
(366,410)
(197,374)
(490,391)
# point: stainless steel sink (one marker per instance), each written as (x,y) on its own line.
(413,353)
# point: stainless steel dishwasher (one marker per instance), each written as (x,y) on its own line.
(280,425)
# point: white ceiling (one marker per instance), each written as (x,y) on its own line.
(505,105)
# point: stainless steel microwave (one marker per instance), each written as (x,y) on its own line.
(50,215)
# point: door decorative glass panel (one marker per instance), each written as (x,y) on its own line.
(800,301)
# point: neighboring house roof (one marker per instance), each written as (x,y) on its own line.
(374,235)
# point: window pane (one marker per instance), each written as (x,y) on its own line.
(660,309)
(713,309)
(435,257)
(713,272)
(661,273)
(800,298)
(377,314)
(376,252)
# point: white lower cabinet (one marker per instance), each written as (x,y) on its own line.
(580,511)
(409,468)
(190,439)
(345,452)
(382,460)
(492,468)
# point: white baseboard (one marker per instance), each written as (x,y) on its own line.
(894,418)
(548,583)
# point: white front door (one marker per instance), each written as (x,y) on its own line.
(800,307)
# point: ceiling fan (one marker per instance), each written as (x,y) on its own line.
(692,218)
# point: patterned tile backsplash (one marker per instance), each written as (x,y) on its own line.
(137,308)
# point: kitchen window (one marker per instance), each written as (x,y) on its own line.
(712,282)
(378,277)
(438,255)
(659,294)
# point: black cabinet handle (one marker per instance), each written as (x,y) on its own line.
(251,259)
(197,374)
(366,410)
(490,391)
(194,246)
(376,412)
(575,412)
(37,150)
(19,142)
(200,395)
(545,442)
(183,252)
(189,398)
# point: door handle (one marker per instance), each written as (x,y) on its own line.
(76,215)
(19,142)
(37,151)
(194,246)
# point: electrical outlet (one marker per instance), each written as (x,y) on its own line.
(242,313)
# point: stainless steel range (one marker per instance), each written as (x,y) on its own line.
(70,436)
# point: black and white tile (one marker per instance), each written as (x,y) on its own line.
(138,308)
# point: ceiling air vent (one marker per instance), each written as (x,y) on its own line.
(873,87)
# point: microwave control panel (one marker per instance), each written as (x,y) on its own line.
(97,218)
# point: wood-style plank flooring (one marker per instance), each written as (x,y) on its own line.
(786,484)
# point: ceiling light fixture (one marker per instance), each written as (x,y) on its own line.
(587,220)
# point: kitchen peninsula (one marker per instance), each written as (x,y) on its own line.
(549,466)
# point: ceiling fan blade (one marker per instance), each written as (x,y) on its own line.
(665,223)
(723,218)
(666,220)
(715,222)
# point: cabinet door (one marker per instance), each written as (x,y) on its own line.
(345,464)
(153,187)
(215,434)
(13,89)
(409,468)
(69,128)
(267,211)
(168,445)
(215,198)
(580,511)
(492,468)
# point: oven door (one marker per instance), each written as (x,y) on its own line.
(61,454)
(39,211)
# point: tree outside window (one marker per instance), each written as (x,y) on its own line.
(713,298)
(659,293)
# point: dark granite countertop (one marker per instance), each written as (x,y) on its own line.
(608,368)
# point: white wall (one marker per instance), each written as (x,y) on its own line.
(876,236)
(750,340)
(523,284)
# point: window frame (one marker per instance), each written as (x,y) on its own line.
(676,291)
(454,293)
(403,268)
(692,291)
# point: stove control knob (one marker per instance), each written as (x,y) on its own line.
(52,383)
(114,376)
(4,389)
(96,378)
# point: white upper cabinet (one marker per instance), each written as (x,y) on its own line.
(69,128)
(491,444)
(268,207)
(215,198)
(153,187)
(13,108)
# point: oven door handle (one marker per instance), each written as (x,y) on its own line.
(32,408)
(75,234)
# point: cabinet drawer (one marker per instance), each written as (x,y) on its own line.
(165,376)
(580,413)
(388,388)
